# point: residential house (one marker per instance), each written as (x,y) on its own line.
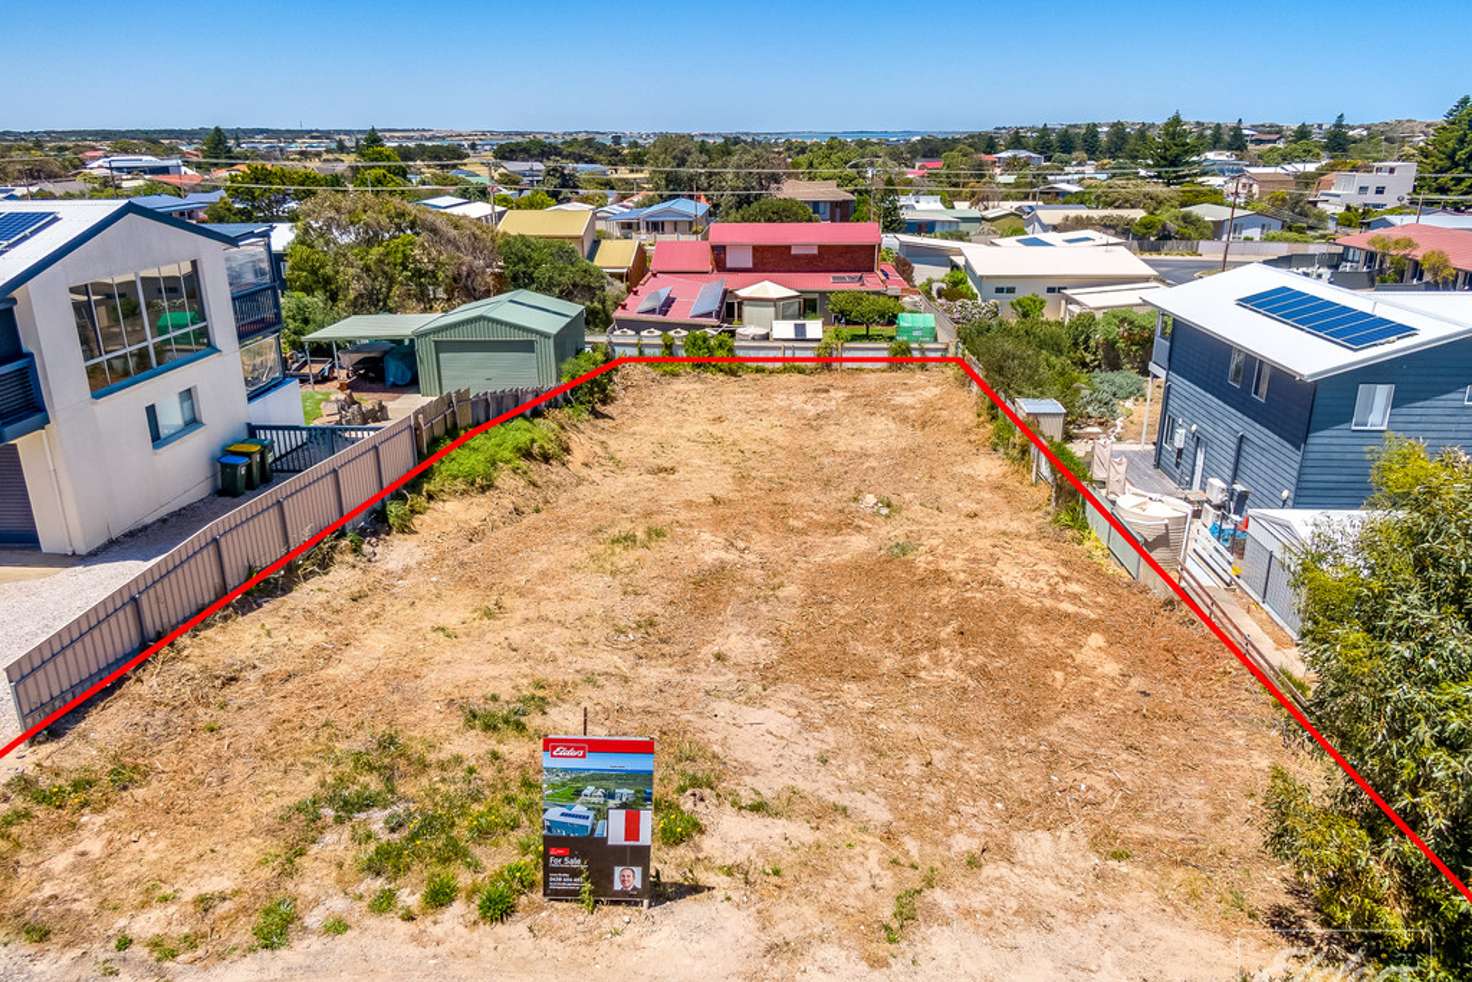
(135,165)
(1058,190)
(1004,269)
(626,261)
(1439,219)
(1066,240)
(1024,156)
(120,369)
(1387,184)
(678,216)
(827,200)
(477,211)
(924,167)
(191,207)
(255,269)
(931,221)
(1456,243)
(572,227)
(783,270)
(1258,182)
(1103,299)
(1284,385)
(1047,218)
(526,171)
(1235,224)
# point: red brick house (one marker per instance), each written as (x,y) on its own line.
(756,272)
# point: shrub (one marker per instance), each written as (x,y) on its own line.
(440,890)
(473,466)
(698,345)
(384,901)
(899,349)
(335,926)
(675,825)
(597,391)
(1106,391)
(401,512)
(854,307)
(274,922)
(497,902)
(1029,306)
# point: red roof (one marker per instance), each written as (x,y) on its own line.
(794,233)
(676,256)
(1455,242)
(929,164)
(683,289)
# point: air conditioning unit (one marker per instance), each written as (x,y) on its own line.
(1178,437)
(1216,492)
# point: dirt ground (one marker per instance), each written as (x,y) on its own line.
(942,740)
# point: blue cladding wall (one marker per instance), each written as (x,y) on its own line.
(1271,433)
(1429,404)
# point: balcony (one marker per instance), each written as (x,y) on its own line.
(1160,356)
(22,408)
(257,310)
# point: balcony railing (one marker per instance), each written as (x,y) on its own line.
(22,408)
(257,310)
(1160,353)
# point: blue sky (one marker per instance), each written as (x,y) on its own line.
(656,64)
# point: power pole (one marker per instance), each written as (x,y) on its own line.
(1231,217)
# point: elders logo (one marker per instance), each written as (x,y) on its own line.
(568,751)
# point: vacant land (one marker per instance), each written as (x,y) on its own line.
(919,730)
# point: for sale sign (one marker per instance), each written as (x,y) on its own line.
(597,816)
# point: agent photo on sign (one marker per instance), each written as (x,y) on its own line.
(627,879)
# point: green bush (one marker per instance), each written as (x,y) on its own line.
(440,890)
(855,307)
(274,922)
(474,466)
(598,390)
(1106,391)
(899,349)
(675,825)
(1029,306)
(496,902)
(698,345)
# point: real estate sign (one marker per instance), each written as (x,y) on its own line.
(597,816)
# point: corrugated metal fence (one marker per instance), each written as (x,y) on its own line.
(218,558)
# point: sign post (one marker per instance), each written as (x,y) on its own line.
(597,817)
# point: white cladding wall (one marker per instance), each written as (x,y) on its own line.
(282,406)
(96,474)
(986,288)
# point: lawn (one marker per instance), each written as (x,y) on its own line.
(312,405)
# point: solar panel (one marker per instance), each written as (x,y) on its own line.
(1345,326)
(653,302)
(16,225)
(1032,240)
(708,300)
(1079,238)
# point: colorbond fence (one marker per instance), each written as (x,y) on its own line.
(215,559)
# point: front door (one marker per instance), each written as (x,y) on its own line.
(1199,466)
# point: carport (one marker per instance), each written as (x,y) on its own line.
(373,335)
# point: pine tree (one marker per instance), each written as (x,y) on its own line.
(216,146)
(1237,142)
(1042,142)
(1139,146)
(1117,140)
(1067,142)
(1172,153)
(371,138)
(1217,137)
(989,143)
(1336,141)
(1016,141)
(1449,153)
(1302,133)
(1090,142)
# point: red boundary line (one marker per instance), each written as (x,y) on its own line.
(275,567)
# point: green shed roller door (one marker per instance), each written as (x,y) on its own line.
(482,364)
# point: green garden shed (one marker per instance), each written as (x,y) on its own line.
(513,340)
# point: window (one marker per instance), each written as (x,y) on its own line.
(1007,290)
(260,363)
(1236,368)
(1260,382)
(804,250)
(1054,289)
(134,323)
(1372,407)
(1380,189)
(170,418)
(248,267)
(1468,400)
(1364,189)
(738,257)
(1164,325)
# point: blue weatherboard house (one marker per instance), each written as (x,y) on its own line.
(1285,385)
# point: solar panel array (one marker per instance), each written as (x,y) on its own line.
(708,300)
(16,225)
(654,302)
(1345,326)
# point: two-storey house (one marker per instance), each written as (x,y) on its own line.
(120,369)
(1286,385)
